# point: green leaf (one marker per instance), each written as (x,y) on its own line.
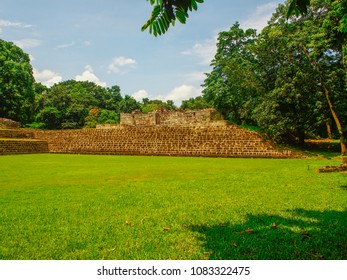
(161,17)
(181,15)
(161,25)
(194,5)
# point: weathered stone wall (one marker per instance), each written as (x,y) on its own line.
(227,141)
(200,133)
(20,141)
(16,146)
(207,117)
(16,133)
(7,123)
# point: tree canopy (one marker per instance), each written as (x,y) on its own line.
(290,79)
(73,104)
(16,83)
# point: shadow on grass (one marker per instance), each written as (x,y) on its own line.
(344,188)
(299,234)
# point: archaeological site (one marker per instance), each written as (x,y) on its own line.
(200,133)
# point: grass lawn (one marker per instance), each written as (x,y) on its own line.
(128,207)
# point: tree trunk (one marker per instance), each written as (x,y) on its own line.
(330,135)
(327,95)
(336,119)
(301,138)
(344,49)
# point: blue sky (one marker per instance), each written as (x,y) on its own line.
(101,41)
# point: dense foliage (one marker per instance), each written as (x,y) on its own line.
(73,104)
(290,79)
(16,83)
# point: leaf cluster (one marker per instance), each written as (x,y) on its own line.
(298,7)
(165,13)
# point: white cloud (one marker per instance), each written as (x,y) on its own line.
(119,62)
(27,43)
(88,75)
(47,77)
(258,20)
(7,23)
(182,92)
(14,24)
(205,50)
(74,44)
(64,46)
(139,95)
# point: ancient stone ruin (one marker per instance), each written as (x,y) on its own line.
(162,117)
(14,140)
(176,133)
(8,124)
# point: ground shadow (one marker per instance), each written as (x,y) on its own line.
(298,234)
(344,188)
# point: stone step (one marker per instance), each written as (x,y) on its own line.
(22,146)
(16,133)
(230,141)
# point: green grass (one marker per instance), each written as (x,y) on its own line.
(128,207)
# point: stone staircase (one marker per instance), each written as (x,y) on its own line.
(18,141)
(222,141)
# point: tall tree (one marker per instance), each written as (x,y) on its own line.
(293,103)
(325,49)
(288,79)
(232,85)
(16,83)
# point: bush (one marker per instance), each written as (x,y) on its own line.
(36,125)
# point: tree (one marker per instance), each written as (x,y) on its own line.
(151,105)
(165,13)
(101,116)
(325,49)
(16,83)
(67,104)
(111,99)
(232,86)
(286,80)
(197,103)
(293,104)
(128,104)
